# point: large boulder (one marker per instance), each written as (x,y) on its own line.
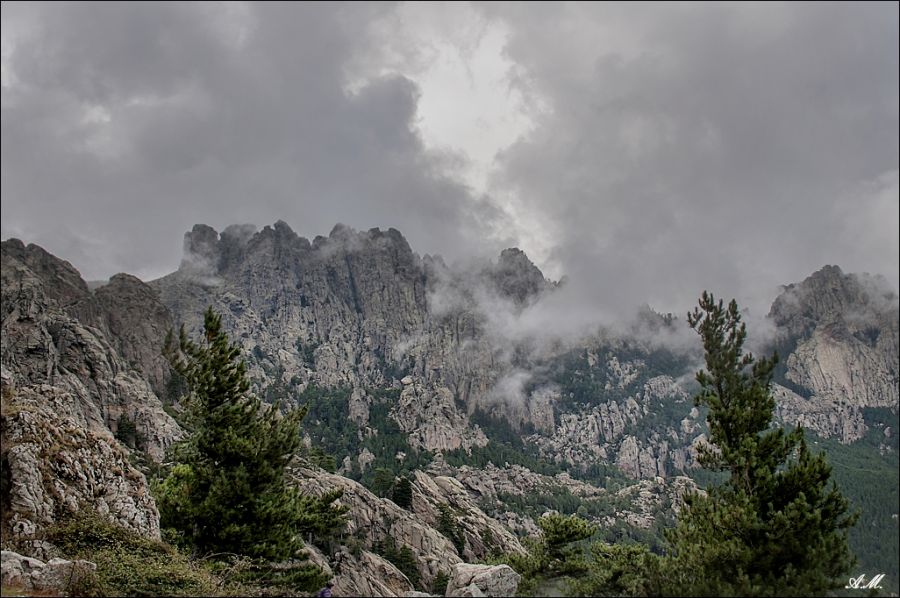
(57,576)
(489,580)
(368,574)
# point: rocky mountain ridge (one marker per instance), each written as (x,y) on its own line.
(412,343)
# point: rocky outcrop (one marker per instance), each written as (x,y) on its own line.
(58,465)
(432,420)
(57,577)
(483,580)
(482,534)
(841,333)
(330,311)
(638,505)
(492,481)
(57,333)
(599,433)
(137,323)
(368,574)
(826,416)
(355,309)
(409,338)
(517,278)
(648,498)
(373,519)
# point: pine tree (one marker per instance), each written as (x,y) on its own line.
(439,585)
(402,558)
(228,492)
(776,526)
(560,532)
(449,526)
(403,493)
(383,483)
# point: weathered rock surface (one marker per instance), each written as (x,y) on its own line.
(483,535)
(359,310)
(646,498)
(137,323)
(330,311)
(638,504)
(372,519)
(496,580)
(56,332)
(827,417)
(57,465)
(432,420)
(842,330)
(598,433)
(368,575)
(54,577)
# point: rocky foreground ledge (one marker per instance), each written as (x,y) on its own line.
(59,577)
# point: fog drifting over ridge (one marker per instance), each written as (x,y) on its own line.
(665,149)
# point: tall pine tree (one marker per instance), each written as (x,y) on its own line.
(227,491)
(776,526)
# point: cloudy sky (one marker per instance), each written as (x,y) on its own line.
(647,151)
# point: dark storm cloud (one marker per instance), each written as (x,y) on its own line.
(124,124)
(727,147)
(674,147)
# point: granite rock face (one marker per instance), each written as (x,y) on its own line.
(373,519)
(97,349)
(482,534)
(496,580)
(58,465)
(433,348)
(330,311)
(74,363)
(358,310)
(433,421)
(137,322)
(601,432)
(368,575)
(842,331)
(361,310)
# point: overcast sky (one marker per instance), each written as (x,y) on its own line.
(646,151)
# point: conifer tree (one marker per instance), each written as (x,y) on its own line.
(403,493)
(383,483)
(776,526)
(227,492)
(449,526)
(561,531)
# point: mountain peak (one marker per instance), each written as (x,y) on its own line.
(829,295)
(517,277)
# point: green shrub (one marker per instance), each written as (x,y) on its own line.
(127,564)
(439,585)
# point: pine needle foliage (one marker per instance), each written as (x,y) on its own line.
(778,526)
(227,492)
